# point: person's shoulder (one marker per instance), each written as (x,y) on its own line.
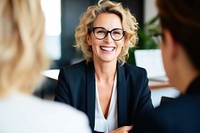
(78,65)
(134,70)
(67,118)
(182,113)
(189,101)
(74,69)
(41,116)
(179,106)
(56,107)
(75,120)
(133,67)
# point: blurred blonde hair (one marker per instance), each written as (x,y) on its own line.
(22,56)
(129,24)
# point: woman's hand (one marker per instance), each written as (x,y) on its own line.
(124,129)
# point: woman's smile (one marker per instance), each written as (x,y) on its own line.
(107,48)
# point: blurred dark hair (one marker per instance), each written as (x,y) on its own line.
(182,19)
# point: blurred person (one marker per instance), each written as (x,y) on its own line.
(103,86)
(22,59)
(180,27)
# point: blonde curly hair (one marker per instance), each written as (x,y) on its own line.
(129,24)
(22,56)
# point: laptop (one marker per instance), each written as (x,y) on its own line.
(151,60)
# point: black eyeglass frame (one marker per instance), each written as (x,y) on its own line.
(107,31)
(157,37)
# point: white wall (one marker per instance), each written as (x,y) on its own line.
(150,9)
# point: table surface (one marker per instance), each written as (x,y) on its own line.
(158,84)
(53,74)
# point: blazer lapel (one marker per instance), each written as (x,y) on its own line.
(121,94)
(91,93)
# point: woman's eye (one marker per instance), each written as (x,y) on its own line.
(117,33)
(101,32)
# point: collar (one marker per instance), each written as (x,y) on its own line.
(194,87)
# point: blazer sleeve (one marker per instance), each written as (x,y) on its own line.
(145,102)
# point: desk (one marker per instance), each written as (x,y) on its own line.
(158,84)
(53,74)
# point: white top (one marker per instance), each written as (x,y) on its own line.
(28,114)
(109,124)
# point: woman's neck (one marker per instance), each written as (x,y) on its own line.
(105,72)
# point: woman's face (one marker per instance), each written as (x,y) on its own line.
(107,49)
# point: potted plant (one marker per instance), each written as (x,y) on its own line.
(146,40)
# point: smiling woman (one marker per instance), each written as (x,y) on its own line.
(104,86)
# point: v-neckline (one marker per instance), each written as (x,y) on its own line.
(111,101)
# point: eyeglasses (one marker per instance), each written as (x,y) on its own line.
(100,33)
(157,37)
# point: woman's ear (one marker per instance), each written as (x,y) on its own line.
(88,39)
(170,44)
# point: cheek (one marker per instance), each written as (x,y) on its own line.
(120,44)
(120,48)
(163,56)
(165,61)
(92,41)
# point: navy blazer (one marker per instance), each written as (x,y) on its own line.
(76,87)
(180,115)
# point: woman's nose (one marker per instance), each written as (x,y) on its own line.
(108,38)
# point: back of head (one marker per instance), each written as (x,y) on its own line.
(22,56)
(182,19)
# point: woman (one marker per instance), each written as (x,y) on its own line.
(180,48)
(110,91)
(22,59)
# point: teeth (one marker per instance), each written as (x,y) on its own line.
(109,49)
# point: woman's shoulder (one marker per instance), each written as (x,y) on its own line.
(133,69)
(61,113)
(40,115)
(76,68)
(56,109)
(77,65)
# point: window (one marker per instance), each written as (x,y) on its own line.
(52,11)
